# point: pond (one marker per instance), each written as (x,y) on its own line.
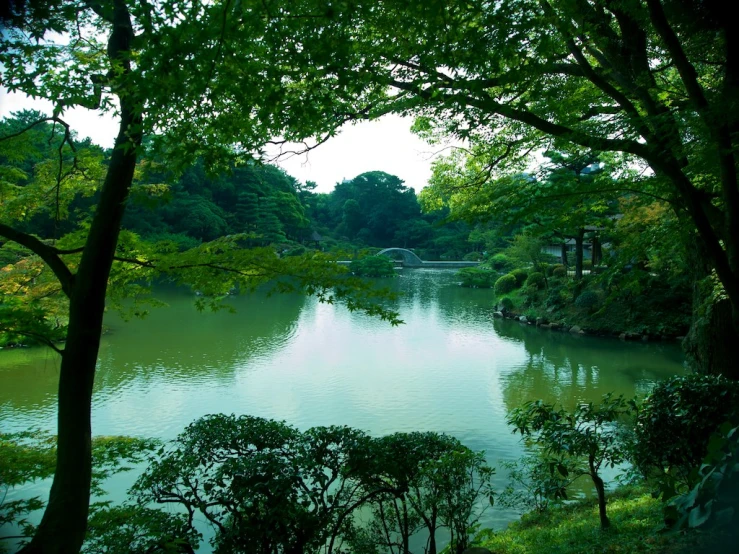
(450,368)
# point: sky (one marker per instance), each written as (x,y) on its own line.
(383,145)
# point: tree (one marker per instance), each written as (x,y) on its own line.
(194,72)
(569,196)
(263,485)
(589,433)
(653,80)
(30,456)
(431,482)
(247,211)
(376,201)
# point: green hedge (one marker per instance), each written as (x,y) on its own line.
(505,284)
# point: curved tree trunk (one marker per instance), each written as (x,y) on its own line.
(64,523)
(605,523)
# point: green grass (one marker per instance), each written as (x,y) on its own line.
(636,521)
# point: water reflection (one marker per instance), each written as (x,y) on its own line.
(450,368)
(144,366)
(567,369)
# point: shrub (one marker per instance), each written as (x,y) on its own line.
(295,251)
(530,294)
(559,271)
(520,276)
(536,280)
(181,241)
(584,439)
(676,421)
(714,499)
(587,300)
(499,262)
(506,303)
(373,266)
(472,257)
(557,297)
(505,284)
(475,277)
(535,482)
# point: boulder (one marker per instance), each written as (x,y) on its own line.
(498,314)
(545,326)
(523,319)
(575,330)
(540,321)
(622,336)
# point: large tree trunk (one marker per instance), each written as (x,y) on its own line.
(64,523)
(711,341)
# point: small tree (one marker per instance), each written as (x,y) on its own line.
(588,435)
(433,482)
(263,485)
(534,483)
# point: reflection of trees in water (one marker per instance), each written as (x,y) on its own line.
(439,290)
(28,378)
(175,343)
(569,369)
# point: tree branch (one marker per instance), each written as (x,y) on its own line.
(37,336)
(47,253)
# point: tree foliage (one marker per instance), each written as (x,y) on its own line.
(588,436)
(266,487)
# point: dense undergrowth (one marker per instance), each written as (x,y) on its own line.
(605,301)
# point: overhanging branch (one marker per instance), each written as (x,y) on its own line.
(47,253)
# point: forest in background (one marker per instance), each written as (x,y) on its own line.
(616,247)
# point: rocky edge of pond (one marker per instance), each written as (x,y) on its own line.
(545,323)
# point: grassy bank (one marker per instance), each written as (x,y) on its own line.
(636,520)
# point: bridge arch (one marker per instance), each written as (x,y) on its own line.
(409,258)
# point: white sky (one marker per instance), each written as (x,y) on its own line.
(383,145)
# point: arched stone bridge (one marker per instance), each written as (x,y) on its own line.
(410,259)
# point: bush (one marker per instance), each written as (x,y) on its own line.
(535,483)
(520,276)
(499,262)
(295,251)
(506,303)
(476,278)
(587,300)
(676,421)
(472,257)
(557,297)
(181,241)
(373,266)
(536,280)
(559,271)
(714,499)
(505,284)
(586,437)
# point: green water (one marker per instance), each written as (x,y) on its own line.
(450,368)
